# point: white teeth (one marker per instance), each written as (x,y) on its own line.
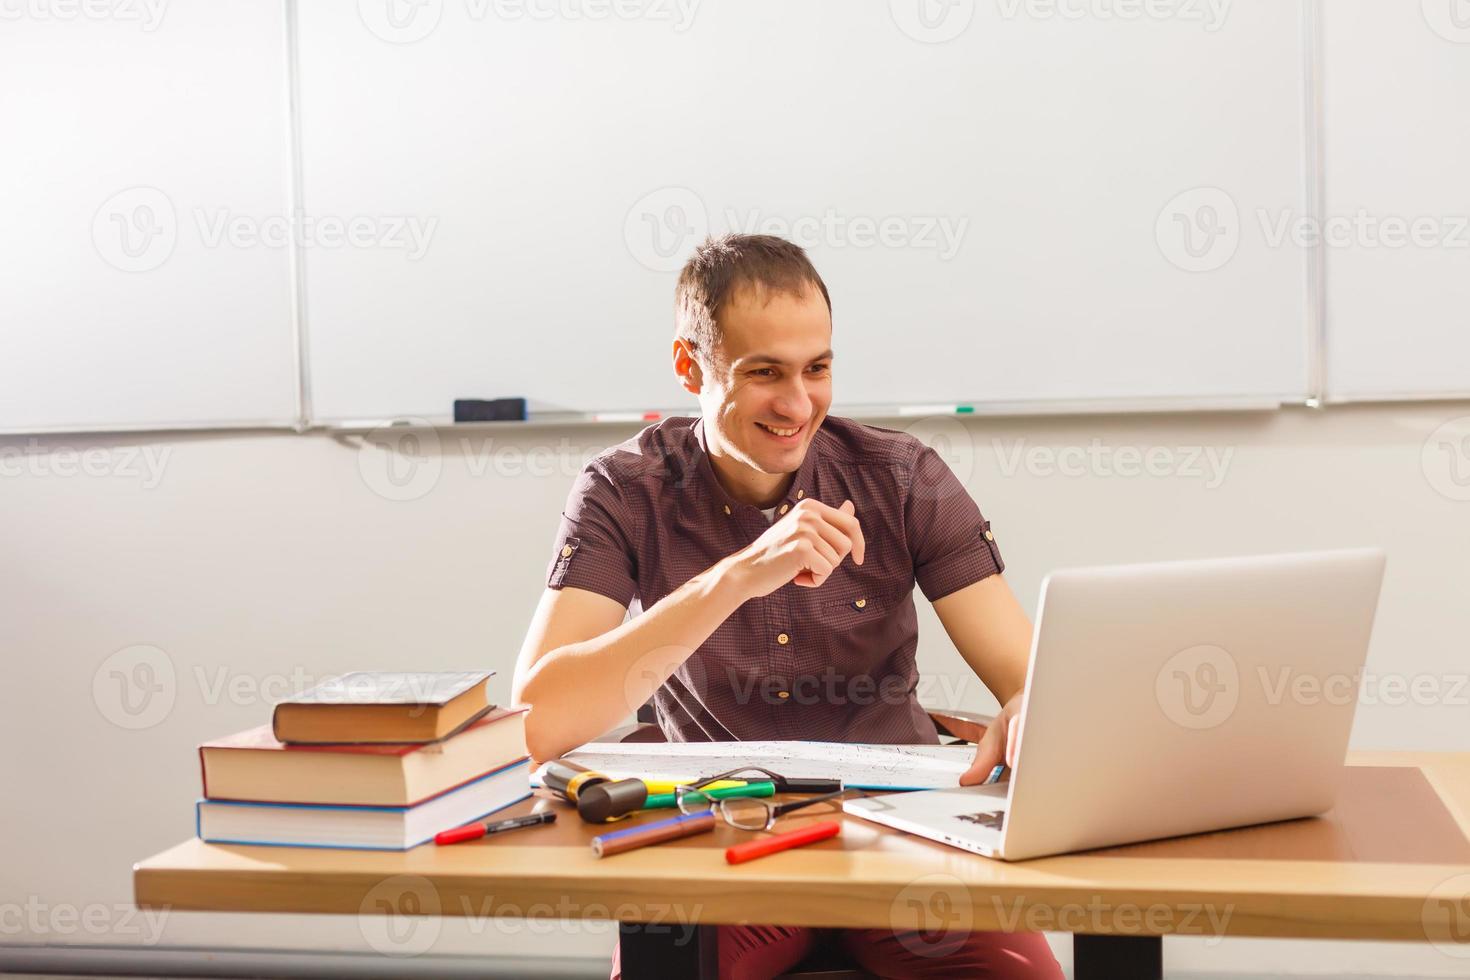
(779,432)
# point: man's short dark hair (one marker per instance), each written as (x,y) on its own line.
(722,266)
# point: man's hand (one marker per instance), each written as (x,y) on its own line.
(997,744)
(804,547)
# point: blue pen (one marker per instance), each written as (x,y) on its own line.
(684,825)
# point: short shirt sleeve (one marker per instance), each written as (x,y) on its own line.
(950,541)
(594,543)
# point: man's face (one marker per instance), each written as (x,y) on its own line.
(771,384)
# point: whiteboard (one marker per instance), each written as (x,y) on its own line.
(997,195)
(132,133)
(1396,79)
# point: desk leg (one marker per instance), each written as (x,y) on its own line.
(684,952)
(1117,957)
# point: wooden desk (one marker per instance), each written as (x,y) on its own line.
(1392,861)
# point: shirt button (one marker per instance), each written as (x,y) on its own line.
(861,603)
(989,536)
(566,551)
(782,639)
(727,508)
(800,494)
(785,508)
(783,695)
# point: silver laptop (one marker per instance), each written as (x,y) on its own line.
(1170,698)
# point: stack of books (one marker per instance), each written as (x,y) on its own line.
(375,761)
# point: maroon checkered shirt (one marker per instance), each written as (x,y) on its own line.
(834,663)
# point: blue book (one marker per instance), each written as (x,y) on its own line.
(371,828)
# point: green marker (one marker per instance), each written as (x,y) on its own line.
(936,410)
(765,787)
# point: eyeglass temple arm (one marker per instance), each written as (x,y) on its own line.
(782,808)
(740,774)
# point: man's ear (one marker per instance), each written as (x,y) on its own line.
(687,367)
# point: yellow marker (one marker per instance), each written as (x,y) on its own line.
(667,785)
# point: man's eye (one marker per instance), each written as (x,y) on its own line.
(819,368)
(763,372)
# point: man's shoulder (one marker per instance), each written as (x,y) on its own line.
(848,441)
(649,455)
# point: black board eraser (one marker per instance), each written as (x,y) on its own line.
(491,410)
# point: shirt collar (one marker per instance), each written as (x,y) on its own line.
(803,486)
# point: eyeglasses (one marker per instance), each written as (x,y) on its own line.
(744,812)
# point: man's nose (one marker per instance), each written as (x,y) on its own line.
(793,402)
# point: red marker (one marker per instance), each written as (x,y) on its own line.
(627,416)
(475,831)
(809,834)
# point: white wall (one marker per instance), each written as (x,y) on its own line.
(259,562)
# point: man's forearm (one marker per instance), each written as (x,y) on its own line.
(578,691)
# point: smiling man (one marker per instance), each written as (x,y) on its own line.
(773,550)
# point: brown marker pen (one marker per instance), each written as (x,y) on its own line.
(684,825)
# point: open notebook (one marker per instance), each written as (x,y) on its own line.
(862,766)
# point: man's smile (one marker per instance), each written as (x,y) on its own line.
(785,435)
